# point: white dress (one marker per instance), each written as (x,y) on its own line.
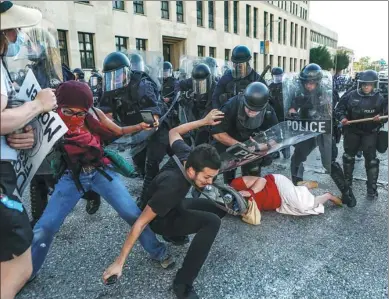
(295,200)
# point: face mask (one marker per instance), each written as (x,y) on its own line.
(74,123)
(14,48)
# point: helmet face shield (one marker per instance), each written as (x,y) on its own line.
(277,78)
(93,81)
(241,70)
(116,79)
(200,86)
(367,88)
(167,73)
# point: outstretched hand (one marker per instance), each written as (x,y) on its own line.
(114,269)
(214,117)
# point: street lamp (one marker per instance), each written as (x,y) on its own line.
(265,37)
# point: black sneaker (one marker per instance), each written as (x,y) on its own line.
(92,206)
(184,291)
(177,241)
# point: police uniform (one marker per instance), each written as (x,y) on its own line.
(239,126)
(357,105)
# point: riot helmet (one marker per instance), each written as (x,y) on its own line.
(256,96)
(310,76)
(212,63)
(241,58)
(116,71)
(167,69)
(79,73)
(201,78)
(137,63)
(95,80)
(277,73)
(367,83)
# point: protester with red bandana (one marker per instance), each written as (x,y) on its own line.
(88,169)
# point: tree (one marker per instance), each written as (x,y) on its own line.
(322,57)
(342,60)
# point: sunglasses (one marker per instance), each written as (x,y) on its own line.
(70,112)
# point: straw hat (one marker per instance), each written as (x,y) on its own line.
(16,16)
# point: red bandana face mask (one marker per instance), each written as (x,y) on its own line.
(74,122)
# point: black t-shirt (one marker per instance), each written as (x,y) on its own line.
(169,187)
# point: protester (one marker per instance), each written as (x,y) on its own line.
(15,233)
(87,168)
(170,214)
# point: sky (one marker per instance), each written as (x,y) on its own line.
(361,25)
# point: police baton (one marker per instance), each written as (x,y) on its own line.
(362,120)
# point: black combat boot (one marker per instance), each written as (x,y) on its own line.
(372,171)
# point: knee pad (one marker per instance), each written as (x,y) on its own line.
(348,159)
(372,163)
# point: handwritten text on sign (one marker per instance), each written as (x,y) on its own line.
(48,129)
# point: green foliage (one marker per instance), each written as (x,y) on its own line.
(342,60)
(322,57)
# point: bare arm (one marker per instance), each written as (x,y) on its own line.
(212,119)
(17,118)
(119,131)
(136,230)
(225,139)
(254,183)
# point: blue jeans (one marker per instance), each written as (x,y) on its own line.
(65,197)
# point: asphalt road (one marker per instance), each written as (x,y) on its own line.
(340,254)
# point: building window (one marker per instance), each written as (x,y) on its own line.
(305,62)
(248,19)
(291,33)
(212,52)
(255,61)
(180,11)
(271,27)
(285,30)
(255,22)
(199,13)
(226,16)
(284,63)
(271,60)
(211,13)
(279,61)
(165,10)
(236,5)
(121,43)
(118,5)
(279,30)
(141,44)
(295,65)
(302,37)
(301,64)
(200,51)
(295,34)
(85,43)
(264,25)
(227,54)
(138,7)
(63,46)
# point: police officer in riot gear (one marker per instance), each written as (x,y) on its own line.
(79,74)
(197,98)
(213,66)
(364,102)
(96,85)
(236,80)
(137,63)
(309,103)
(245,115)
(128,92)
(168,93)
(276,100)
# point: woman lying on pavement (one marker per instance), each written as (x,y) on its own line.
(170,214)
(277,192)
(86,168)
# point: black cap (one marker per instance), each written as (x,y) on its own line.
(115,61)
(256,96)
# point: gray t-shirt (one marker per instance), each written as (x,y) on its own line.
(7,89)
